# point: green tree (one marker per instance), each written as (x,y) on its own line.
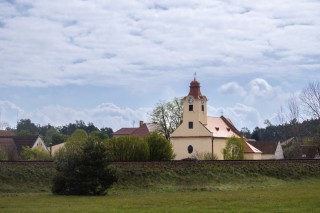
(168,116)
(33,154)
(159,147)
(98,135)
(79,136)
(83,171)
(58,138)
(26,127)
(245,132)
(234,149)
(129,148)
(3,154)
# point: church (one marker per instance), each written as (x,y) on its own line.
(200,133)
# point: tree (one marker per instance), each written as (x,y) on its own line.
(26,127)
(129,148)
(159,147)
(58,138)
(83,171)
(310,98)
(78,136)
(33,154)
(3,154)
(98,135)
(108,131)
(168,116)
(234,149)
(245,132)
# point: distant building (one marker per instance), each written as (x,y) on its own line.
(270,149)
(306,152)
(200,133)
(13,144)
(142,131)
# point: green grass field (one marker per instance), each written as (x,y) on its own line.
(265,195)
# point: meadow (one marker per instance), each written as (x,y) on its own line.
(268,196)
(172,187)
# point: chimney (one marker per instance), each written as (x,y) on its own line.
(141,123)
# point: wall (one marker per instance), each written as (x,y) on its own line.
(252,156)
(201,145)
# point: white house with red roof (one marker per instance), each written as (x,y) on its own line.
(200,133)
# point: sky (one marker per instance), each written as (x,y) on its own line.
(110,62)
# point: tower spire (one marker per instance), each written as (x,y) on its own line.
(195,76)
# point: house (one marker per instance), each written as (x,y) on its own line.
(141,131)
(55,148)
(200,133)
(306,152)
(30,141)
(13,144)
(270,149)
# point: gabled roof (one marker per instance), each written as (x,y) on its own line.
(309,152)
(266,147)
(250,149)
(141,131)
(220,127)
(124,131)
(7,142)
(7,133)
(22,141)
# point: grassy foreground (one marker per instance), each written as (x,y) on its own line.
(279,196)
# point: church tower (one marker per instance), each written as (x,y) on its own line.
(195,105)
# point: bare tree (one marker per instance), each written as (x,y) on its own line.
(282,121)
(293,116)
(281,116)
(310,98)
(294,109)
(168,116)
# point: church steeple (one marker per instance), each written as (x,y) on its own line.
(195,89)
(195,104)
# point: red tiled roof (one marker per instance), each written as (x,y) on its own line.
(309,152)
(22,141)
(124,131)
(6,133)
(9,147)
(141,131)
(248,148)
(266,147)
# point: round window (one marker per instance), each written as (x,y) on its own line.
(190,149)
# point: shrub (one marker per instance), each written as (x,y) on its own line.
(205,156)
(3,154)
(33,154)
(234,149)
(83,171)
(159,147)
(129,148)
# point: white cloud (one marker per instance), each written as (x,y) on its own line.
(9,113)
(103,115)
(45,43)
(232,88)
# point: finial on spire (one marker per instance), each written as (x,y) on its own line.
(195,75)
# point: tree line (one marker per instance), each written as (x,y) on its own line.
(55,135)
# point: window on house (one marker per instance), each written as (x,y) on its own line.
(202,108)
(191,125)
(190,107)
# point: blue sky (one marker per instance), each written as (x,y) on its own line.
(110,62)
